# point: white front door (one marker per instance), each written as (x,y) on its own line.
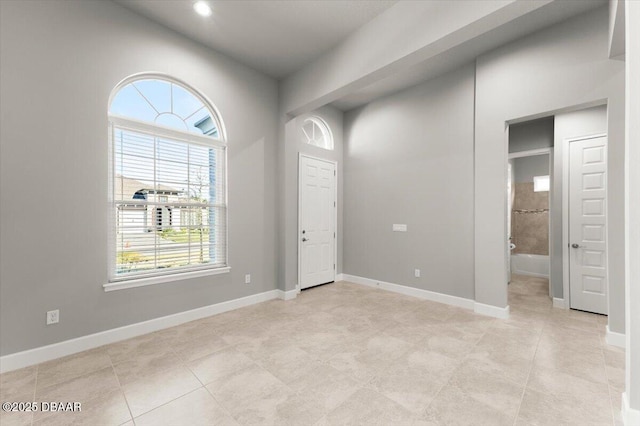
(317,183)
(587,220)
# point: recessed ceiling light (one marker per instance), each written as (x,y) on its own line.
(202,8)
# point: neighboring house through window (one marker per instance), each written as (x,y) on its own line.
(168,177)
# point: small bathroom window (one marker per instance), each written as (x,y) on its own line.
(541,183)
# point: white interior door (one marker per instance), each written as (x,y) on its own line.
(587,220)
(317,183)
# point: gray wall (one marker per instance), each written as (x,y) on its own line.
(632,226)
(555,70)
(409,160)
(525,168)
(530,135)
(59,62)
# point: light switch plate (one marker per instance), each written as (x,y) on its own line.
(399,227)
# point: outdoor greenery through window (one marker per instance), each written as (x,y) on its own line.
(168,178)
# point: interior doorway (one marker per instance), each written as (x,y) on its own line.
(570,221)
(529,192)
(529,213)
(317,220)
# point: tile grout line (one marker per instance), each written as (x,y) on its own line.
(257,365)
(126,401)
(526,383)
(168,402)
(228,345)
(452,374)
(174,399)
(221,405)
(205,385)
(184,364)
(606,375)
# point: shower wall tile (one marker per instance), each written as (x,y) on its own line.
(530,230)
(526,199)
(532,233)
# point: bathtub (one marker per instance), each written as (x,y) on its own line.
(535,265)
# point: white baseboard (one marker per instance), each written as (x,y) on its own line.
(339,277)
(287,295)
(433,296)
(46,353)
(411,291)
(491,311)
(615,339)
(529,273)
(630,416)
(559,303)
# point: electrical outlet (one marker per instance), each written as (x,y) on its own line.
(247,279)
(399,227)
(53,317)
(416,273)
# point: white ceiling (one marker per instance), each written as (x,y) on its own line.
(276,37)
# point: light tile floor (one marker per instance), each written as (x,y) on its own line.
(344,354)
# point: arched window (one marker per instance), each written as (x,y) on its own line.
(317,132)
(168,182)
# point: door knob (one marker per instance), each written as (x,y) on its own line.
(304,239)
(574,245)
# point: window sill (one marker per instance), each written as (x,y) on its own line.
(141,282)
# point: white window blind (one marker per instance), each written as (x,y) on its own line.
(169,201)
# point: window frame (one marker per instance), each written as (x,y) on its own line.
(324,128)
(115,282)
(537,181)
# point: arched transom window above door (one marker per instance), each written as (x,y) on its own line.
(316,132)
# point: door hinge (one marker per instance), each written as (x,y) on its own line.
(334,172)
(334,266)
(334,204)
(334,235)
